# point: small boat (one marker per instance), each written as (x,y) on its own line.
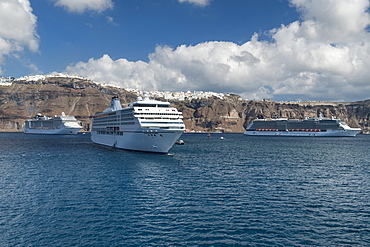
(180,142)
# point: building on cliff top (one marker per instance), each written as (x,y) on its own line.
(6,81)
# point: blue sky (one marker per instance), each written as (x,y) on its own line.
(277,49)
(138,26)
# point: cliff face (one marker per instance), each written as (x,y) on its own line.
(204,115)
(79,98)
(83,98)
(355,114)
(233,114)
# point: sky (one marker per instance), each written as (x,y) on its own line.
(259,49)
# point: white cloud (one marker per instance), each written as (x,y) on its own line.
(17,27)
(111,21)
(80,6)
(333,20)
(196,2)
(325,56)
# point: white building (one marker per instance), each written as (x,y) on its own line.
(5,81)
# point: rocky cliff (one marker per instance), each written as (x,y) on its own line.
(83,98)
(233,114)
(80,98)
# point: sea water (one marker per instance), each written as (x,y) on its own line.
(236,191)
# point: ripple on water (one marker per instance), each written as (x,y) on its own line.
(242,190)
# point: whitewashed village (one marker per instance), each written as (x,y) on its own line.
(180,96)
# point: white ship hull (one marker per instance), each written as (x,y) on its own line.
(61,131)
(296,127)
(145,125)
(339,133)
(158,141)
(58,125)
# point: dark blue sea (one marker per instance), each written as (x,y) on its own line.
(239,191)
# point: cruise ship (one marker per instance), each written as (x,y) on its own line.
(296,127)
(145,125)
(58,125)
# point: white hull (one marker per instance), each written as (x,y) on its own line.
(61,131)
(145,125)
(339,133)
(158,141)
(58,125)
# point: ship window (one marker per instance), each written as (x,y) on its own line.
(151,105)
(161,122)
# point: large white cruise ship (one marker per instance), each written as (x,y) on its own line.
(296,127)
(58,125)
(146,125)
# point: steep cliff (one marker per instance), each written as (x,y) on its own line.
(348,112)
(233,114)
(227,115)
(83,98)
(23,100)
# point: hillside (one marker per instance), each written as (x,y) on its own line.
(23,100)
(83,98)
(233,114)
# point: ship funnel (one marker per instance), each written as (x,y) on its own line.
(115,104)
